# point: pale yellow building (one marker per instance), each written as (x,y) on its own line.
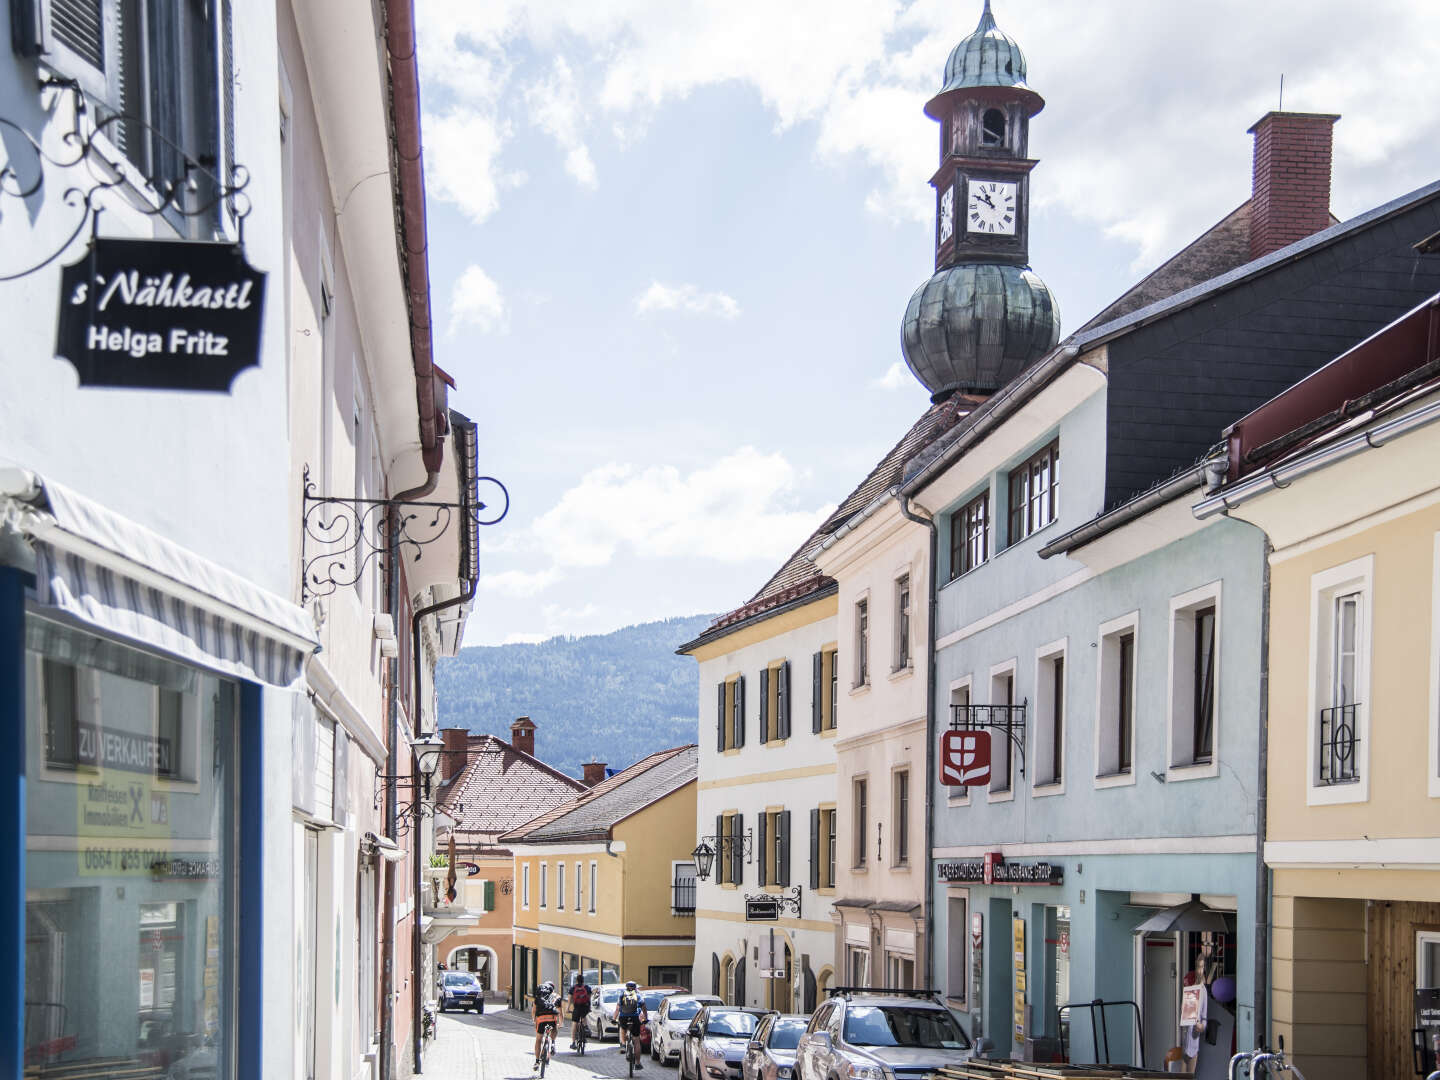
(595,881)
(1343,473)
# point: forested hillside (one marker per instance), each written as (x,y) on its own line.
(616,696)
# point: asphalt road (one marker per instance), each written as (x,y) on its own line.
(500,1045)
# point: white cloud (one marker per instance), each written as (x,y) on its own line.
(519,583)
(476,301)
(897,377)
(737,509)
(462,160)
(554,104)
(686,298)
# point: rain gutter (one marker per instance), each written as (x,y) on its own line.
(1125,513)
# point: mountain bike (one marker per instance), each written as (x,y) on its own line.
(582,1036)
(632,1053)
(547,1047)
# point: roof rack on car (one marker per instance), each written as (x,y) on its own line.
(881,991)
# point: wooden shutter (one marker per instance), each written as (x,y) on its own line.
(740,711)
(782,849)
(489,896)
(715,987)
(720,855)
(810,985)
(782,700)
(763,863)
(814,849)
(737,851)
(740,981)
(764,706)
(817,715)
(720,719)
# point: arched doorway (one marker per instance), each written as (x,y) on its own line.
(781,991)
(727,980)
(822,983)
(476,959)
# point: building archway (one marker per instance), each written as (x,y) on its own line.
(726,989)
(477,959)
(824,979)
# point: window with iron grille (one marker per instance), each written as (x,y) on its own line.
(1035,493)
(683,891)
(970,535)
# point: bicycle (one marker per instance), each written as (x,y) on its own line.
(632,1052)
(582,1036)
(547,1047)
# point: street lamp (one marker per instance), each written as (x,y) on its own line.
(704,856)
(427,757)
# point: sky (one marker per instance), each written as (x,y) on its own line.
(671,241)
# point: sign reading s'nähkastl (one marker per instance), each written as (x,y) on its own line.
(160,314)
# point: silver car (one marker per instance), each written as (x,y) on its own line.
(880,1035)
(601,1018)
(716,1041)
(771,1054)
(668,1023)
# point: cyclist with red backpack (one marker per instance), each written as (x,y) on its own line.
(579,1008)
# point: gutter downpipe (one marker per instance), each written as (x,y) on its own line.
(934,604)
(1262,872)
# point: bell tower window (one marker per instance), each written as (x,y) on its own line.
(992,128)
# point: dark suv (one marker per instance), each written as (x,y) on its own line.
(867,1033)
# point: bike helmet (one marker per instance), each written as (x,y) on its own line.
(631,985)
(548,987)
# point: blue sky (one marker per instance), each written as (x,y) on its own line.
(672,240)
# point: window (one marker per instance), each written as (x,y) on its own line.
(1194,638)
(774,845)
(822,848)
(899,971)
(560,886)
(544,882)
(1340,660)
(859,965)
(1427,959)
(1002,748)
(683,890)
(825,684)
(959,701)
(1115,727)
(862,643)
(525,885)
(775,702)
(958,984)
(900,830)
(1050,715)
(730,858)
(992,129)
(579,892)
(1434,770)
(861,793)
(730,713)
(1035,493)
(365,942)
(902,623)
(594,881)
(970,535)
(60,685)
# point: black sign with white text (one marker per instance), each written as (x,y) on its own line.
(998,872)
(160,314)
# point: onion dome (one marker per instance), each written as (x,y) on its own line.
(987,58)
(972,328)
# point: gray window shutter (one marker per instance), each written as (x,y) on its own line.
(720,719)
(715,987)
(814,849)
(720,854)
(740,982)
(764,706)
(782,700)
(740,711)
(782,850)
(737,852)
(762,863)
(810,984)
(817,663)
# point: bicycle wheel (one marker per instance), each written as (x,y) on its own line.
(630,1055)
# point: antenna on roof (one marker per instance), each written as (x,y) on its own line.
(1281,106)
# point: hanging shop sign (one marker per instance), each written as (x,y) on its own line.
(965,758)
(762,908)
(160,314)
(470,868)
(994,870)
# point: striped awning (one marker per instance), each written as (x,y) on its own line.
(100,568)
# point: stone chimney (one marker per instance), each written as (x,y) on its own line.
(1290,196)
(455,738)
(522,735)
(594,772)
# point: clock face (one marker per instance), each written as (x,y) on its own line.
(947,214)
(991,208)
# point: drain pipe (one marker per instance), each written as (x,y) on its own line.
(1262,872)
(387,927)
(934,603)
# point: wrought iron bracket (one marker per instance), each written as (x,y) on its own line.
(725,845)
(340,537)
(1006,719)
(789,900)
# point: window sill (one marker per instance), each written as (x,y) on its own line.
(730,751)
(1115,779)
(902,673)
(957,800)
(829,732)
(958,1003)
(1044,791)
(1029,536)
(856,691)
(1193,770)
(825,890)
(1007,795)
(900,867)
(860,869)
(727,885)
(767,743)
(1354,791)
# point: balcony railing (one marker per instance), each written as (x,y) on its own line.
(1339,745)
(683,897)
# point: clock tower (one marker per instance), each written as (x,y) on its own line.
(984,316)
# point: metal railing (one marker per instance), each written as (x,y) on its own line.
(682,899)
(1339,745)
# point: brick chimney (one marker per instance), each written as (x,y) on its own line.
(455,738)
(594,772)
(1290,196)
(522,735)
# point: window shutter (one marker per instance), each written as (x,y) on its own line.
(814,849)
(817,664)
(764,707)
(763,863)
(740,711)
(782,700)
(715,987)
(810,988)
(720,719)
(737,851)
(782,850)
(720,854)
(489,896)
(740,981)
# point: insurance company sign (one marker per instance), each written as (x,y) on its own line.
(994,870)
(160,314)
(965,758)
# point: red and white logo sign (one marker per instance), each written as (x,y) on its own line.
(965,758)
(992,860)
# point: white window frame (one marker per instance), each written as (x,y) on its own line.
(896,821)
(1045,656)
(594,883)
(860,834)
(525,886)
(675,864)
(857,683)
(544,878)
(1423,938)
(997,671)
(966,684)
(1107,702)
(1433,772)
(560,886)
(579,887)
(1354,576)
(1180,685)
(904,642)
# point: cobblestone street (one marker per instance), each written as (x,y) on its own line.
(500,1045)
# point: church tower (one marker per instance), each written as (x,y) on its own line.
(984,316)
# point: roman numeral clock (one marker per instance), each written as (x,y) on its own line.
(984,316)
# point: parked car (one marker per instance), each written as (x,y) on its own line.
(716,1041)
(771,1053)
(460,990)
(601,1018)
(668,1023)
(880,1035)
(652,997)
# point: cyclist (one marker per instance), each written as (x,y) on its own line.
(630,1014)
(547,1014)
(579,1008)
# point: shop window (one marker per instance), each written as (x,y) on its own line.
(958,983)
(899,971)
(1050,715)
(1340,659)
(1194,677)
(132,886)
(858,963)
(1115,722)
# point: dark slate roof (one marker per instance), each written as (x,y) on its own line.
(501,788)
(597,811)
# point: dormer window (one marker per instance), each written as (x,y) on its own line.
(992,128)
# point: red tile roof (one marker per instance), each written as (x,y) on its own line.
(501,787)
